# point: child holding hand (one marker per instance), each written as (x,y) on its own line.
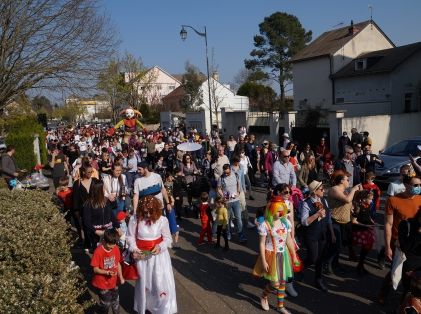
(205,219)
(222,222)
(106,264)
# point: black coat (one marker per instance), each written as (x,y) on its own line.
(363,163)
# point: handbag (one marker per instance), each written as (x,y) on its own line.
(128,265)
(342,214)
(397,264)
(270,256)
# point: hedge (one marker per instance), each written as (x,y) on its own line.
(37,274)
(20,134)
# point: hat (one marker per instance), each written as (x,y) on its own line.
(121,215)
(314,185)
(286,135)
(143,164)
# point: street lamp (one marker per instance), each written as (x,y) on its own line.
(183,35)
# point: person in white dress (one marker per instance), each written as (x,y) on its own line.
(149,238)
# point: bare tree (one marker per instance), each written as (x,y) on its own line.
(138,80)
(51,44)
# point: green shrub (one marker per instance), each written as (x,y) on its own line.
(36,269)
(20,134)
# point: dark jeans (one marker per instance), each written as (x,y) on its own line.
(109,299)
(219,230)
(334,249)
(178,206)
(315,254)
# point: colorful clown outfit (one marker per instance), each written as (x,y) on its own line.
(276,234)
(155,288)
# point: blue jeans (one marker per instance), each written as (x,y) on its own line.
(234,209)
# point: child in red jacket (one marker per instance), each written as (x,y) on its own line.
(205,219)
(371,186)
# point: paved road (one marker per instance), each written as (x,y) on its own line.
(213,281)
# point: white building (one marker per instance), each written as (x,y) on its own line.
(91,108)
(221,98)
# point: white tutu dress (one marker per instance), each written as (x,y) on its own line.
(155,289)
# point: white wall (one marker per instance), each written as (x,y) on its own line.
(312,82)
(385,129)
(366,40)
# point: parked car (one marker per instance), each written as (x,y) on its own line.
(394,157)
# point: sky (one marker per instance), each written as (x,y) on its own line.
(150,30)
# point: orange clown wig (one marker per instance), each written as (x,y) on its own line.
(275,207)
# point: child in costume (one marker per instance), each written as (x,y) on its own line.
(274,262)
(363,227)
(205,219)
(222,222)
(371,186)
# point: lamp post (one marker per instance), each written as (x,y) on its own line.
(183,35)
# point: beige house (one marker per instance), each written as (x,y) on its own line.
(155,84)
(381,82)
(314,66)
(356,77)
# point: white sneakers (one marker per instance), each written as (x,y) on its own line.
(264,303)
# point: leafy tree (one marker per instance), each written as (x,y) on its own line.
(192,81)
(51,44)
(261,97)
(281,36)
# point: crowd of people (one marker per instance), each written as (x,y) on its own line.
(130,194)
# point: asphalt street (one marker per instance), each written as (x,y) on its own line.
(209,280)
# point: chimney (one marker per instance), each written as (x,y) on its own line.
(215,76)
(352,30)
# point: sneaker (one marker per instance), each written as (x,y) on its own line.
(242,239)
(290,290)
(201,243)
(232,224)
(264,303)
(250,225)
(283,310)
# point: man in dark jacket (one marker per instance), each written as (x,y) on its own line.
(346,164)
(367,162)
(8,166)
(251,152)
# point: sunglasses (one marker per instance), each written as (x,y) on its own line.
(285,156)
(416,185)
(286,193)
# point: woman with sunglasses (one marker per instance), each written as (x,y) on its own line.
(317,223)
(189,170)
(340,197)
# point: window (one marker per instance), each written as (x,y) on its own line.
(340,100)
(360,64)
(407,102)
